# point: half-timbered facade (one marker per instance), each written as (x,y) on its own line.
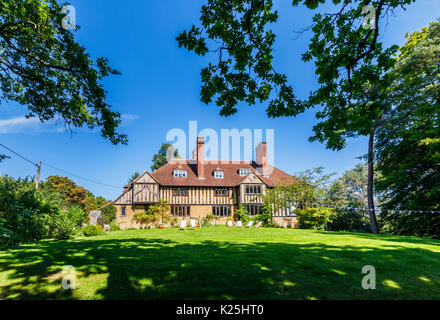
(195,188)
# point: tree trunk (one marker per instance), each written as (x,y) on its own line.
(370,194)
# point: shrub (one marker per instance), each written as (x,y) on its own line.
(174,221)
(149,217)
(314,218)
(91,230)
(242,214)
(66,224)
(8,238)
(208,220)
(265,216)
(64,227)
(26,213)
(114,226)
(350,220)
(410,224)
(161,210)
(77,215)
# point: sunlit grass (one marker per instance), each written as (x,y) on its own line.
(223,263)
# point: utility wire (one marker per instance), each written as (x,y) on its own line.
(24,158)
(313,203)
(67,172)
(79,177)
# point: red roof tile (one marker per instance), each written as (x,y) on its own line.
(231,177)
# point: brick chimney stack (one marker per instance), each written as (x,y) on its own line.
(261,158)
(200,158)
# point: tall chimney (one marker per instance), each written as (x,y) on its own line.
(200,158)
(261,157)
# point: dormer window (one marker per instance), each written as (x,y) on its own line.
(218,174)
(180,173)
(243,172)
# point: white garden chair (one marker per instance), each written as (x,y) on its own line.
(239,224)
(183,224)
(230,223)
(259,224)
(193,223)
(250,224)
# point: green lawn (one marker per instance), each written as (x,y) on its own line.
(222,263)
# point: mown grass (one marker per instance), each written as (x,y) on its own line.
(223,263)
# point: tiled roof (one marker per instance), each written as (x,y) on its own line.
(231,177)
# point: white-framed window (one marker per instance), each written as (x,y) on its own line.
(243,172)
(123,213)
(218,174)
(180,173)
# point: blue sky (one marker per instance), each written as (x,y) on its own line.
(159,90)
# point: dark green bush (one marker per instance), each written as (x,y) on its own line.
(411,224)
(25,213)
(350,220)
(8,238)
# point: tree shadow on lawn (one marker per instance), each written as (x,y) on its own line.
(140,268)
(384,237)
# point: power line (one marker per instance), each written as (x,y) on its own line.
(79,177)
(53,167)
(24,158)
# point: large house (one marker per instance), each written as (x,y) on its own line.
(196,187)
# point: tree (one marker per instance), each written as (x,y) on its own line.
(133,177)
(314,218)
(157,212)
(350,191)
(163,210)
(351,188)
(348,58)
(108,213)
(71,192)
(45,70)
(93,203)
(408,143)
(165,153)
(309,189)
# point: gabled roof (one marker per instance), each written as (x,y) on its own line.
(231,177)
(144,174)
